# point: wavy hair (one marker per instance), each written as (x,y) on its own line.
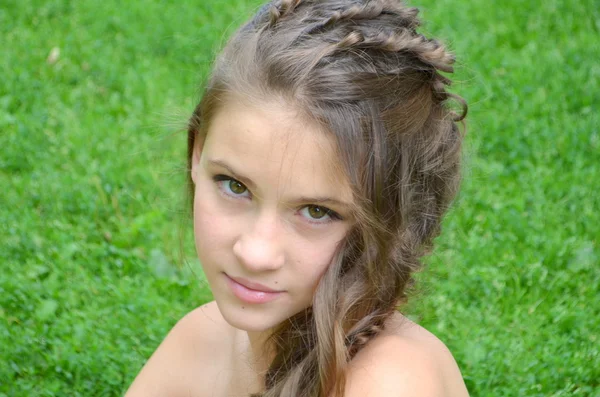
(359,69)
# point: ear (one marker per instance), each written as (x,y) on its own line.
(196,154)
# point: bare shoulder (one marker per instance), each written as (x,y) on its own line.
(405,360)
(188,352)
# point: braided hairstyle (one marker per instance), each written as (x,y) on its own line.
(359,69)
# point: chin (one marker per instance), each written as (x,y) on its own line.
(249,317)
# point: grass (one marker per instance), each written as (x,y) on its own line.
(92,192)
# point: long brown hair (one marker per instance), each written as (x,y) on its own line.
(360,70)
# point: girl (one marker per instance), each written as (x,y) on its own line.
(322,157)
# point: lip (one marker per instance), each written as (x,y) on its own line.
(251,285)
(251,292)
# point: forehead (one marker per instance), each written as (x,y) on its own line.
(273,146)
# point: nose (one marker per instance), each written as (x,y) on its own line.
(259,248)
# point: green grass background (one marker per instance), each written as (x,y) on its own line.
(93,268)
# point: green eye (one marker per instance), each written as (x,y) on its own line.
(237,187)
(231,187)
(317,212)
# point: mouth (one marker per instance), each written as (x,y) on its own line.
(251,292)
(252,285)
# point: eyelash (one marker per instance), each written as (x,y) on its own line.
(333,216)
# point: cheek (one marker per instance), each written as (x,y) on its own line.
(211,228)
(312,260)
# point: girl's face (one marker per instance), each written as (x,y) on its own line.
(270,209)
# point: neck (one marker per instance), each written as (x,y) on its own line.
(261,353)
(256,357)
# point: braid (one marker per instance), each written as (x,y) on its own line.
(397,34)
(430,52)
(365,330)
(368,11)
(282,9)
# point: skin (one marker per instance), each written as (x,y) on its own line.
(262,231)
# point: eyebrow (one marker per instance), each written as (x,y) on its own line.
(300,200)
